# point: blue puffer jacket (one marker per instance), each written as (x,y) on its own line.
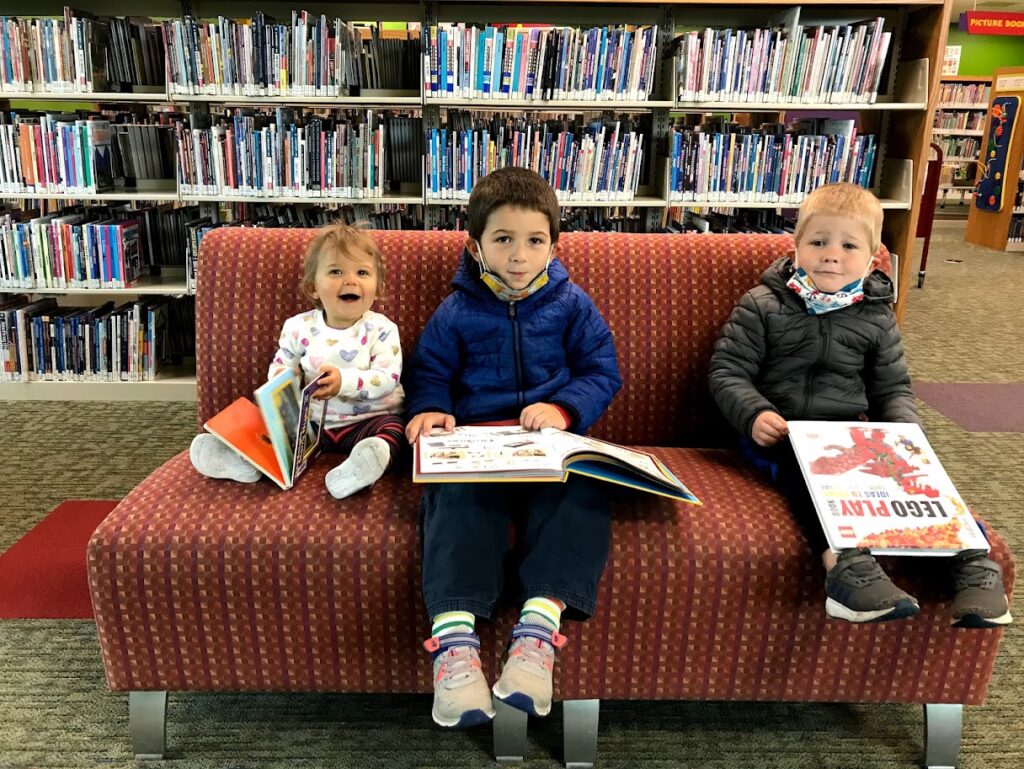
(482,360)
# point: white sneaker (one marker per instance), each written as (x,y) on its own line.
(214,459)
(461,696)
(368,461)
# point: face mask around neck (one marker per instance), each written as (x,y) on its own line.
(502,290)
(819,302)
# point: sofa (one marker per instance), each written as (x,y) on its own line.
(204,585)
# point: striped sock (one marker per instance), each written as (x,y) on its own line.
(452,622)
(543,611)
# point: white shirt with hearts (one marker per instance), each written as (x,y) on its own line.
(368,354)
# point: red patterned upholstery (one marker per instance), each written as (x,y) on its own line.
(206,585)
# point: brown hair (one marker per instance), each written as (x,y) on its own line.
(511,186)
(847,200)
(343,239)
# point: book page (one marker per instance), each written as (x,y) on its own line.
(637,459)
(309,426)
(880,485)
(487,450)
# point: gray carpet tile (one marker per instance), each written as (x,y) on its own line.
(55,710)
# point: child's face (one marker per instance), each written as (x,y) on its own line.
(834,251)
(516,245)
(346,287)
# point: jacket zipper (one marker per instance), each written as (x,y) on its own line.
(516,353)
(823,325)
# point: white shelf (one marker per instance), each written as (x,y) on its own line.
(544,104)
(171,385)
(952,105)
(387,199)
(155,97)
(888,203)
(159,285)
(957,132)
(766,106)
(959,160)
(640,201)
(1015,247)
(323,101)
(157,194)
(962,187)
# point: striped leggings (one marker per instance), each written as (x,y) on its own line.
(387,426)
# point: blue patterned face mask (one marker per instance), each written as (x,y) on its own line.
(819,302)
(505,292)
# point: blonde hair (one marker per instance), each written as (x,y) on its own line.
(338,239)
(847,200)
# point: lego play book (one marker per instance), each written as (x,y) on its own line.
(879,485)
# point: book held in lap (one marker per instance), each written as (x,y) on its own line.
(879,485)
(508,453)
(278,434)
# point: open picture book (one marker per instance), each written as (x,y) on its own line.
(880,486)
(278,434)
(512,453)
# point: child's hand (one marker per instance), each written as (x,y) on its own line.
(769,428)
(541,415)
(330,385)
(422,424)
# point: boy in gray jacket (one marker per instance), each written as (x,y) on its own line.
(818,339)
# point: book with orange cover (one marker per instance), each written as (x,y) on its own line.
(278,434)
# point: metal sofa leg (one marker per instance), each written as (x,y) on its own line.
(509,727)
(147,721)
(942,727)
(579,730)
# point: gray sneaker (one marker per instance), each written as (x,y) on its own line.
(979,598)
(526,680)
(858,590)
(461,695)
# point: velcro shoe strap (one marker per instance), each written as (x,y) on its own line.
(439,644)
(529,630)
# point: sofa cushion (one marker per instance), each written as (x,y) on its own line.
(203,584)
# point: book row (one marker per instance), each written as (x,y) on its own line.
(963,93)
(79,53)
(960,121)
(68,250)
(958,147)
(765,166)
(341,156)
(581,159)
(41,341)
(311,56)
(613,62)
(80,153)
(841,64)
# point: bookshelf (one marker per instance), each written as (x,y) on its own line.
(963,101)
(1003,230)
(898,119)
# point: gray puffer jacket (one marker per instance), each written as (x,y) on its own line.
(843,365)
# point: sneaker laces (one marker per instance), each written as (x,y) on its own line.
(460,655)
(541,650)
(863,567)
(977,571)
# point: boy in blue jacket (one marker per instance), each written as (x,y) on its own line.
(516,340)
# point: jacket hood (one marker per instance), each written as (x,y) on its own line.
(467,278)
(877,285)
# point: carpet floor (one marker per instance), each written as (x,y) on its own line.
(55,710)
